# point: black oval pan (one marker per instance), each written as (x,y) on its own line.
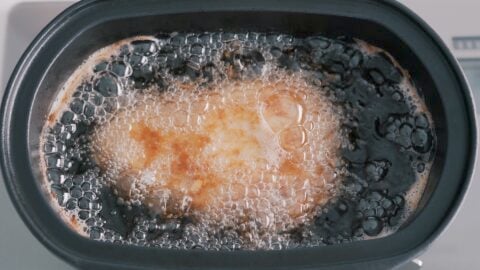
(90,25)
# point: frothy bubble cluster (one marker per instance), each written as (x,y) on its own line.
(257,156)
(227,141)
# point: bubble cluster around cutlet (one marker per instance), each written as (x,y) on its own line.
(229,141)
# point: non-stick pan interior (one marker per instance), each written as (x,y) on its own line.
(331,26)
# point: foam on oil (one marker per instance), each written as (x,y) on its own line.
(238,152)
(237,149)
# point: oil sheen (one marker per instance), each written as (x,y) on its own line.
(231,141)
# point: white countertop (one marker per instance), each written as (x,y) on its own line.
(456,249)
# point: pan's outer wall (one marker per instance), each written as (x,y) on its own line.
(89,25)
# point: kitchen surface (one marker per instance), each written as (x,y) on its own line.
(456,249)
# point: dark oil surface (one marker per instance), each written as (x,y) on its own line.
(389,143)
